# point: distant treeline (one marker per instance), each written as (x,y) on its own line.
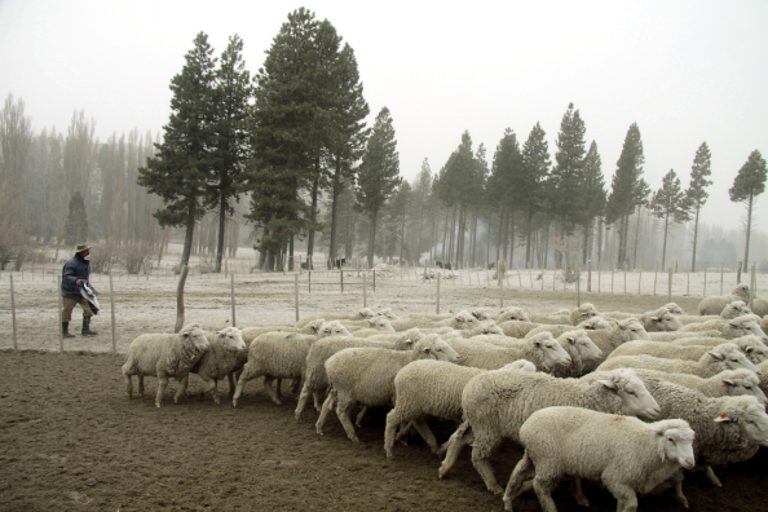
(289,151)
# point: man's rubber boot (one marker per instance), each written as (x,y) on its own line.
(87,327)
(65,330)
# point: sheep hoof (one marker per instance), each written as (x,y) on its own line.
(496,490)
(157,404)
(441,473)
(583,501)
(277,401)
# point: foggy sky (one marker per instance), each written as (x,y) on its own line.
(685,71)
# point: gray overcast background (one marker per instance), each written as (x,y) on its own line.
(685,71)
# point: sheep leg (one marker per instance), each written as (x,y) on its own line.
(162,383)
(393,421)
(543,487)
(403,431)
(359,417)
(296,387)
(458,440)
(712,477)
(231,380)
(624,494)
(426,433)
(141,385)
(578,493)
(343,403)
(211,386)
(245,376)
(317,399)
(324,411)
(482,449)
(679,494)
(273,392)
(522,471)
(183,383)
(302,402)
(129,385)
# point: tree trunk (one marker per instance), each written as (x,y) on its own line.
(335,191)
(402,238)
(220,241)
(371,237)
(444,247)
(664,243)
(313,216)
(474,239)
(528,236)
(419,240)
(180,298)
(546,247)
(695,239)
(188,236)
(637,237)
(749,231)
(290,255)
(585,245)
(511,229)
(599,242)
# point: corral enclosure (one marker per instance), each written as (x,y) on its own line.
(68,423)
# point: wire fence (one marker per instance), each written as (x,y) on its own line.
(30,303)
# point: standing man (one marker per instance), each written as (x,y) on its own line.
(76,273)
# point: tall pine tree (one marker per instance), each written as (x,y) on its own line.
(180,170)
(379,173)
(697,194)
(670,203)
(233,93)
(535,166)
(749,183)
(628,189)
(505,170)
(592,193)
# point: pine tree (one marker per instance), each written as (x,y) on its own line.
(670,202)
(76,231)
(593,197)
(628,189)
(567,175)
(233,91)
(697,194)
(181,169)
(749,183)
(347,138)
(535,170)
(502,183)
(422,189)
(379,173)
(284,130)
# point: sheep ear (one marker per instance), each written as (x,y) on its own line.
(717,356)
(371,321)
(608,384)
(749,350)
(729,382)
(723,418)
(537,343)
(572,341)
(427,350)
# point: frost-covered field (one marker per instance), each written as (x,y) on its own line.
(147,303)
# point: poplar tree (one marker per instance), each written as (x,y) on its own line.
(379,174)
(748,184)
(697,194)
(670,203)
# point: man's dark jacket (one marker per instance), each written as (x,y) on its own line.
(74,269)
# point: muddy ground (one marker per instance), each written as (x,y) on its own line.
(70,439)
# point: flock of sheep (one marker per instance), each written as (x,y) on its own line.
(573,388)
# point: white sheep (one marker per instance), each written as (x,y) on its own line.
(429,388)
(722,357)
(721,324)
(496,404)
(728,429)
(627,455)
(517,328)
(608,339)
(591,324)
(691,348)
(714,305)
(726,383)
(558,317)
(249,333)
(513,313)
(164,356)
(367,376)
(752,346)
(375,326)
(583,312)
(315,380)
(675,335)
(660,320)
(762,374)
(224,358)
(361,314)
(543,350)
(760,307)
(461,320)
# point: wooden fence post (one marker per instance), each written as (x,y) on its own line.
(688,285)
(669,285)
(578,287)
(341,279)
(752,284)
(374,280)
(112,313)
(589,275)
(232,295)
(61,313)
(613,270)
(295,294)
(437,301)
(13,315)
(599,281)
(639,281)
(309,281)
(501,293)
(625,281)
(721,279)
(704,292)
(655,279)
(365,292)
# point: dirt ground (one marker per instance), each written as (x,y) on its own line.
(70,439)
